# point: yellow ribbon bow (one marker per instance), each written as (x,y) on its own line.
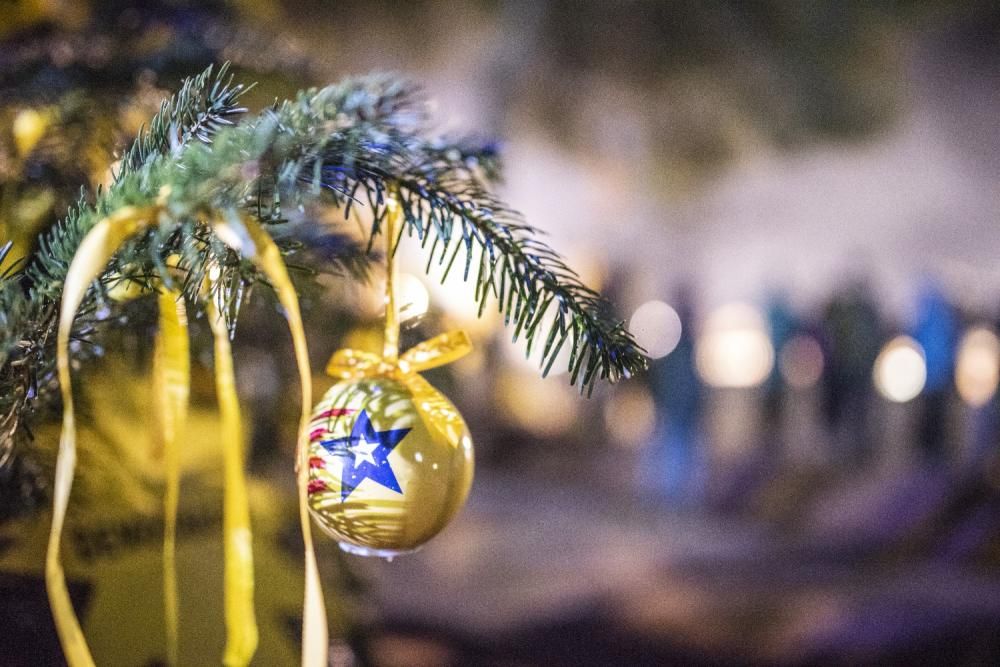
(438,351)
(437,411)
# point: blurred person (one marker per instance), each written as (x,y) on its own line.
(782,326)
(936,330)
(852,336)
(985,426)
(674,469)
(986,431)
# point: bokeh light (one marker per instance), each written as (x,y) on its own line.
(630,416)
(412,297)
(734,350)
(657,327)
(546,409)
(453,294)
(977,368)
(801,362)
(900,370)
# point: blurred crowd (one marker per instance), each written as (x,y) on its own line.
(844,385)
(741,395)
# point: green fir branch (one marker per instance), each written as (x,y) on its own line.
(345,145)
(204,104)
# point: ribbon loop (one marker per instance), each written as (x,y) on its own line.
(438,351)
(95,250)
(436,411)
(355,364)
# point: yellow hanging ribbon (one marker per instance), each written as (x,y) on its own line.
(248,238)
(171,389)
(93,255)
(241,624)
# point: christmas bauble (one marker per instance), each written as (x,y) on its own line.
(390,464)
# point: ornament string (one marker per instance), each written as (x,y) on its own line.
(347,364)
(390,343)
(171,389)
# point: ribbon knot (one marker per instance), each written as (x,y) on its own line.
(438,351)
(436,412)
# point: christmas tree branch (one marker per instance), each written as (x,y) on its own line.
(202,106)
(346,145)
(444,193)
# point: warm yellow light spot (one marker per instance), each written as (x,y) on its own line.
(734,349)
(977,368)
(456,297)
(29,127)
(412,296)
(107,176)
(900,370)
(630,416)
(542,407)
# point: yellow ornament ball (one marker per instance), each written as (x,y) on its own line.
(390,464)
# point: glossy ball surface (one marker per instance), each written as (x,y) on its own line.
(390,464)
